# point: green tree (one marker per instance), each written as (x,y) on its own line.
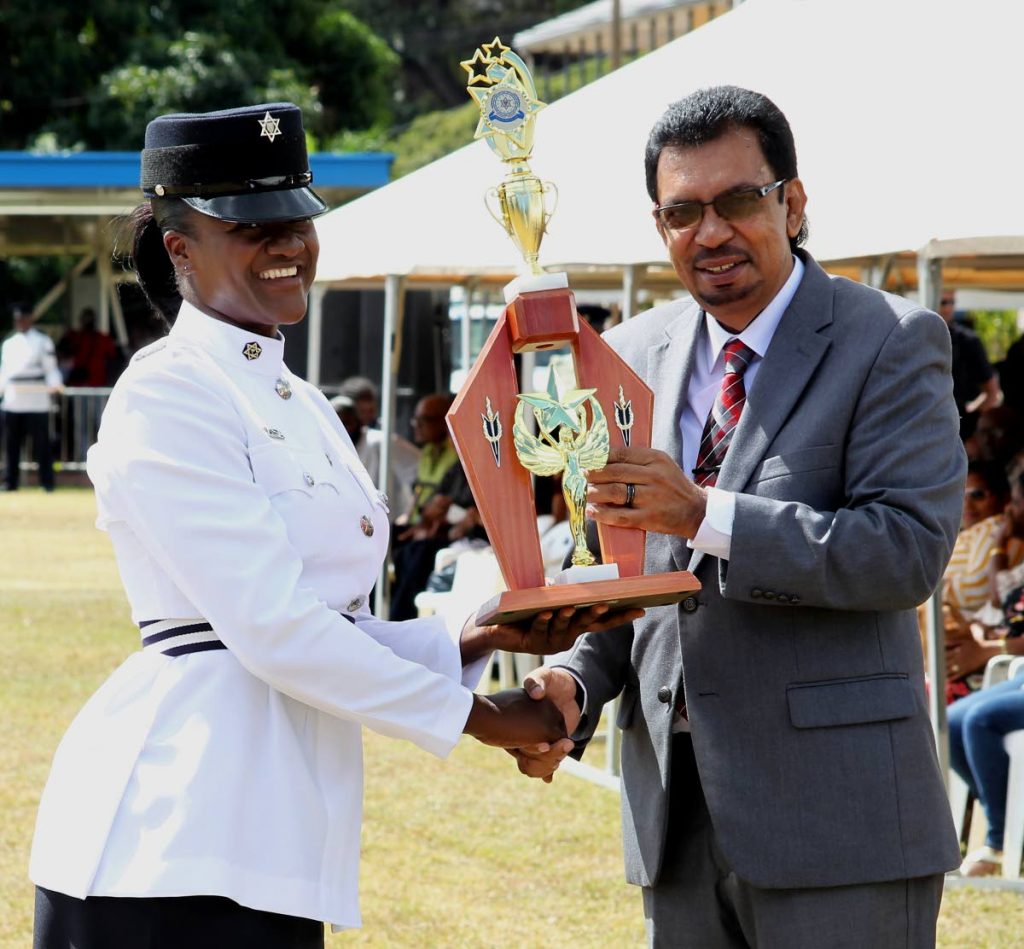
(431,38)
(92,75)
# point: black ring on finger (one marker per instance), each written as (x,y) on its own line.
(630,494)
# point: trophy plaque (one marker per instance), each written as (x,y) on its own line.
(505,437)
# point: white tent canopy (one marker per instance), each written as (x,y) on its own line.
(905,114)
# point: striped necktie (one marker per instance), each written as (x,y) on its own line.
(724,415)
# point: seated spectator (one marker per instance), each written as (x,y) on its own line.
(1011,375)
(88,357)
(404,456)
(424,528)
(449,517)
(977,631)
(997,436)
(437,453)
(985,493)
(975,383)
(977,726)
(966,584)
(367,443)
(366,397)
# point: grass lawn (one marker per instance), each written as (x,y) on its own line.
(462,853)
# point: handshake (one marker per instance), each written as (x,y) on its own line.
(532,723)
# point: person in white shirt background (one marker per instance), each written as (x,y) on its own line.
(210,793)
(29,377)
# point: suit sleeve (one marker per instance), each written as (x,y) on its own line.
(601,661)
(886,547)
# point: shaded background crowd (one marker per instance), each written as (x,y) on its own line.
(983,587)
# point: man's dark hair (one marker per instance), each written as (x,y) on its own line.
(707,114)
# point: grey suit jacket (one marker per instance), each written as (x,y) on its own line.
(802,662)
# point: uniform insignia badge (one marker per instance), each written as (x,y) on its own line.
(270,126)
(252,350)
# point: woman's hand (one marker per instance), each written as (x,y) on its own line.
(511,719)
(966,656)
(550,631)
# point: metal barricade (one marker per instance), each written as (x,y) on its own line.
(74,421)
(74,424)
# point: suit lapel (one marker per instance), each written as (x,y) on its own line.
(793,356)
(677,349)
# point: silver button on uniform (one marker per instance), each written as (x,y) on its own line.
(282,388)
(274,433)
(366,526)
(354,604)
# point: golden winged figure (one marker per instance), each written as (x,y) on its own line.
(577,448)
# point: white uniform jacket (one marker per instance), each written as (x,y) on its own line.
(231,493)
(28,370)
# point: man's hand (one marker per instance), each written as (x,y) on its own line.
(511,719)
(550,631)
(557,685)
(664,499)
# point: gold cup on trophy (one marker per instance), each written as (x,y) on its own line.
(568,432)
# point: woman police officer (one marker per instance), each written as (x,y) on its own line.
(210,792)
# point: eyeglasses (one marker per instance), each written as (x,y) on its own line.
(731,206)
(977,494)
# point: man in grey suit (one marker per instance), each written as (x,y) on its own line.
(779,780)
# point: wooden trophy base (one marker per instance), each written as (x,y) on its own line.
(656,589)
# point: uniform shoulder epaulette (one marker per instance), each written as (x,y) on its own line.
(154,347)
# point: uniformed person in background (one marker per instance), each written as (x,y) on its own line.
(209,794)
(29,377)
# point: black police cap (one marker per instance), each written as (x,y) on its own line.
(245,165)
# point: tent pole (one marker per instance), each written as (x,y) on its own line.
(103,277)
(315,329)
(929,282)
(465,338)
(394,299)
(630,275)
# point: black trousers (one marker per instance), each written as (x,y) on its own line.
(701,903)
(35,425)
(172,922)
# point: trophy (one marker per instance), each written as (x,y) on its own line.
(505,437)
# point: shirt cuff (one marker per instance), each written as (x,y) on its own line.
(714,536)
(474,671)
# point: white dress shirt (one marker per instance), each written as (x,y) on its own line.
(714,536)
(238,772)
(28,370)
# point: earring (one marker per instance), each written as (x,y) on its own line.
(185,271)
